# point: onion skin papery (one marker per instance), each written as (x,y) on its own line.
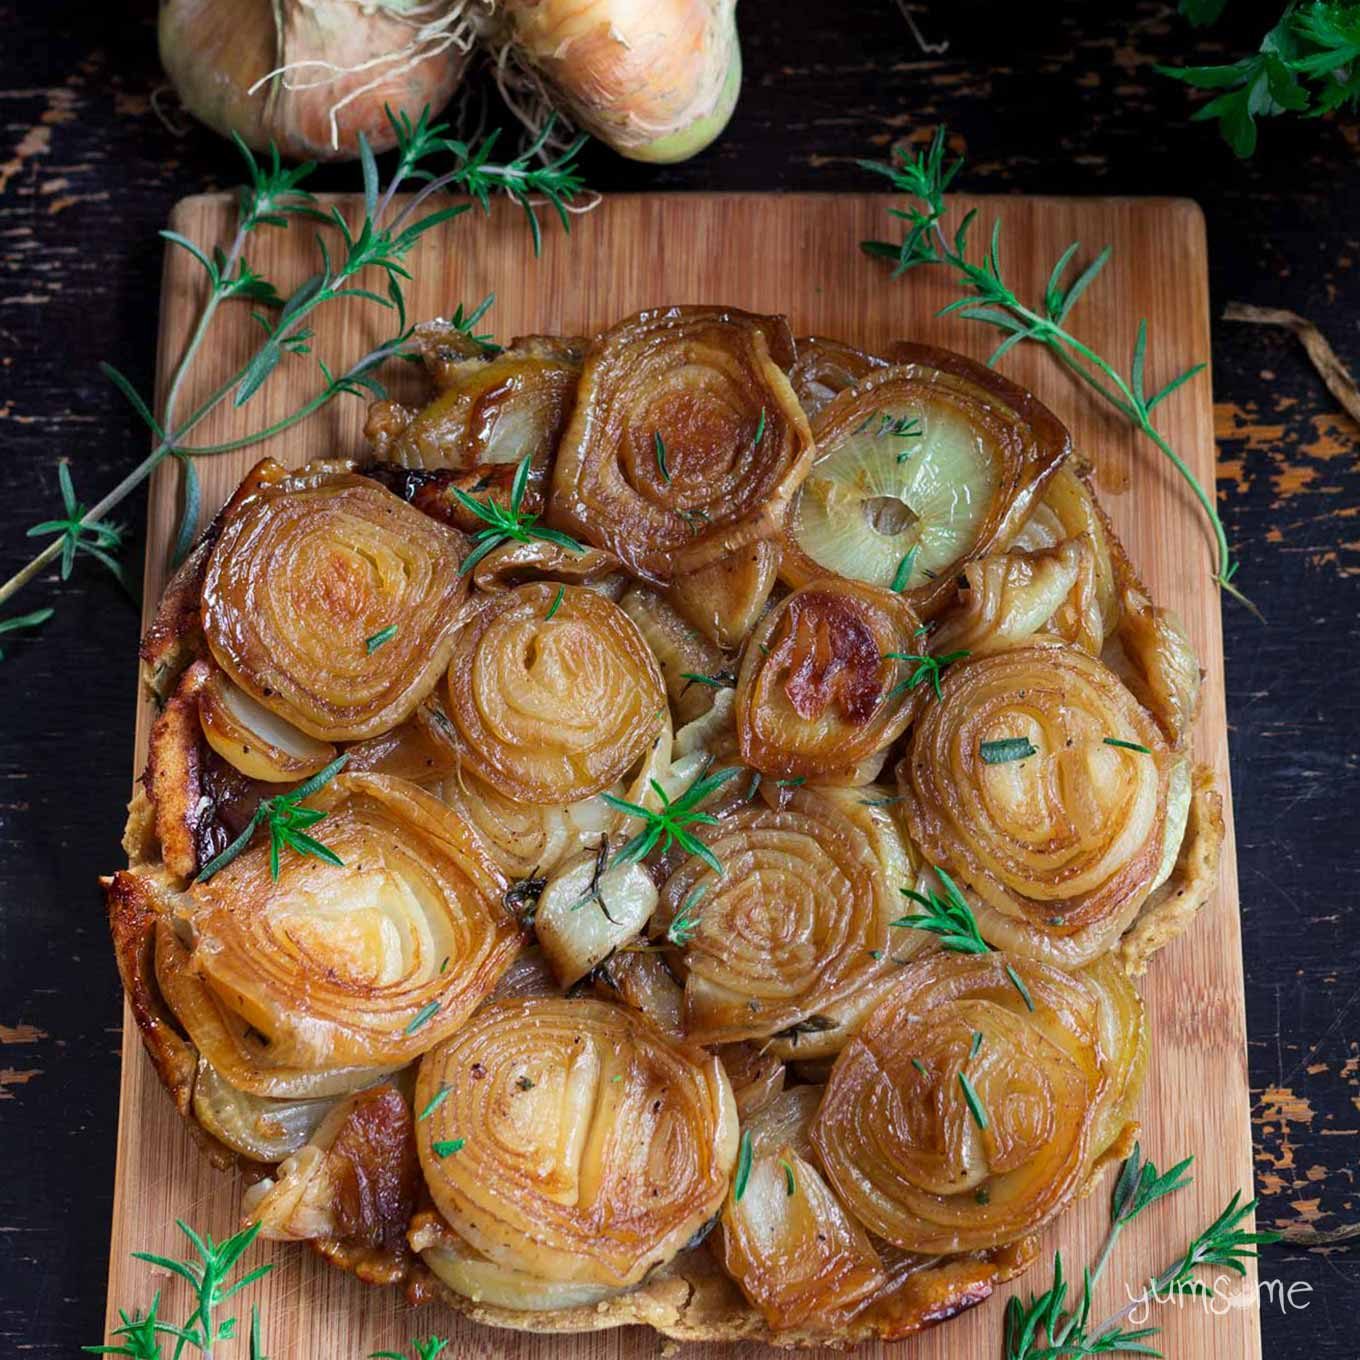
(368,964)
(792,924)
(706,381)
(1059,850)
(214,51)
(903,1149)
(564,1172)
(815,693)
(656,80)
(553,710)
(304,574)
(961,483)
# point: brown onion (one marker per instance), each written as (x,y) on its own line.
(1059,850)
(306,574)
(254,740)
(552,710)
(919,467)
(734,443)
(823,369)
(545,1164)
(796,922)
(958,1118)
(724,600)
(368,964)
(817,690)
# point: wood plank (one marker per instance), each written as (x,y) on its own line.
(796,254)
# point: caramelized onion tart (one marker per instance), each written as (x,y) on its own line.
(305,574)
(687,440)
(542,921)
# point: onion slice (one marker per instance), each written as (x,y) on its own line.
(544,1163)
(1057,850)
(823,369)
(309,577)
(687,440)
(254,740)
(553,709)
(365,965)
(818,689)
(958,1118)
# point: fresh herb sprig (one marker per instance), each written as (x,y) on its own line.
(1307,63)
(505,524)
(670,825)
(287,821)
(22,622)
(685,921)
(275,197)
(926,178)
(427,1348)
(1041,1328)
(210,1277)
(948,917)
(928,669)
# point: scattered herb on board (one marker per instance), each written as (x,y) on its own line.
(926,177)
(274,197)
(1039,1327)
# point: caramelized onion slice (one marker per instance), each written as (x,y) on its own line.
(823,369)
(724,600)
(939,1140)
(552,710)
(1008,598)
(1123,1037)
(679,651)
(818,689)
(562,1171)
(368,964)
(256,1127)
(494,409)
(1059,850)
(919,468)
(307,576)
(254,740)
(796,922)
(707,383)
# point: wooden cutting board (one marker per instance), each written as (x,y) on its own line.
(795,254)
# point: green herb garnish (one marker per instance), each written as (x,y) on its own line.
(790,1184)
(686,921)
(508,524)
(23,621)
(1019,984)
(661,456)
(904,569)
(1128,745)
(422,1017)
(556,604)
(448,1146)
(760,428)
(928,668)
(382,636)
(670,826)
(976,1045)
(1006,749)
(439,1097)
(287,822)
(974,1104)
(949,917)
(744,1154)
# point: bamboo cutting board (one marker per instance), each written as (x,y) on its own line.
(795,254)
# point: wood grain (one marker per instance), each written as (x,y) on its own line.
(796,254)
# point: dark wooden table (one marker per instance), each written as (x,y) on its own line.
(1055,98)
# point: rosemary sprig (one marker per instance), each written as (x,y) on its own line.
(661,456)
(928,668)
(926,177)
(210,1278)
(508,523)
(380,638)
(274,197)
(670,825)
(428,1348)
(1127,745)
(99,541)
(287,821)
(949,917)
(21,622)
(744,1156)
(685,921)
(973,1101)
(903,573)
(1040,1328)
(1006,749)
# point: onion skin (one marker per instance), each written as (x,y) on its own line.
(553,710)
(791,926)
(566,1173)
(698,377)
(825,368)
(902,1148)
(365,965)
(1024,441)
(815,693)
(656,80)
(214,52)
(1057,851)
(305,572)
